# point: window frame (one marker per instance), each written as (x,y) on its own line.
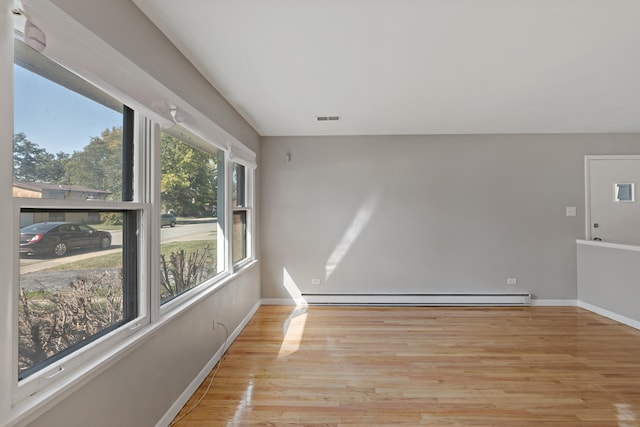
(59,367)
(191,295)
(249,212)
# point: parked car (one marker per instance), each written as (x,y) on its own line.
(56,238)
(167,219)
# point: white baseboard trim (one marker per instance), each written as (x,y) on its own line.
(610,314)
(204,372)
(554,302)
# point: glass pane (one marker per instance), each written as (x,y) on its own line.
(239,186)
(71,282)
(67,133)
(624,192)
(239,236)
(191,232)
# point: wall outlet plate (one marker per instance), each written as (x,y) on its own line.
(512,281)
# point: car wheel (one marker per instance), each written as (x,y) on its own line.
(173,224)
(105,242)
(60,249)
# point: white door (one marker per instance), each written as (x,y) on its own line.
(612,199)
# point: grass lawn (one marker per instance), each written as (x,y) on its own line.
(115,260)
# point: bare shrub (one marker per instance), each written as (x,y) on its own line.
(180,273)
(51,321)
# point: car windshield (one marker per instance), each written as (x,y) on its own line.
(37,228)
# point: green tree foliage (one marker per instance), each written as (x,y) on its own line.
(99,164)
(188,182)
(33,163)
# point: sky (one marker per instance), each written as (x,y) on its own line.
(56,118)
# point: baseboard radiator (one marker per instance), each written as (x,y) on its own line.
(435,299)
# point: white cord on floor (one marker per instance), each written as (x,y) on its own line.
(195,405)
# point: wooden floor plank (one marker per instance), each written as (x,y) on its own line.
(507,366)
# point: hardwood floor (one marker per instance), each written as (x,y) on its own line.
(522,366)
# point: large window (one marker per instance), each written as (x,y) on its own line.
(73,188)
(241,213)
(191,229)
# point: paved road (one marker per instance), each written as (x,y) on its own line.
(181,232)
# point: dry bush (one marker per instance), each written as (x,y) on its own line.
(180,273)
(51,321)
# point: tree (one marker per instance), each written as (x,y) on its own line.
(33,163)
(189,176)
(99,164)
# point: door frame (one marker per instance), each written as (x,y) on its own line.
(587,183)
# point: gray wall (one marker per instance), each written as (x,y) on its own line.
(412,214)
(140,388)
(608,279)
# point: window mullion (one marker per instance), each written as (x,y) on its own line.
(153,220)
(8,292)
(228,225)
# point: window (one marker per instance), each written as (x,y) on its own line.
(624,192)
(73,188)
(72,284)
(241,214)
(192,195)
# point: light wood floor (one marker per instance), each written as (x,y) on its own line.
(525,366)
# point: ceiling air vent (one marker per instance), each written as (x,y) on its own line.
(327,118)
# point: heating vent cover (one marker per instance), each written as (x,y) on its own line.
(448,299)
(327,118)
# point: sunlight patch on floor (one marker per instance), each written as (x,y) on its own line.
(626,415)
(293,332)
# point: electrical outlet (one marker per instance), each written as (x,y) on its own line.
(315,281)
(512,281)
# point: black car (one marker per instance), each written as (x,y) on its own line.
(56,238)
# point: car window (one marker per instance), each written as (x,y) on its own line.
(84,228)
(34,228)
(64,228)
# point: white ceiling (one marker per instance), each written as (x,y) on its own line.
(416,66)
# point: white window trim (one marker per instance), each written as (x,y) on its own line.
(7,305)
